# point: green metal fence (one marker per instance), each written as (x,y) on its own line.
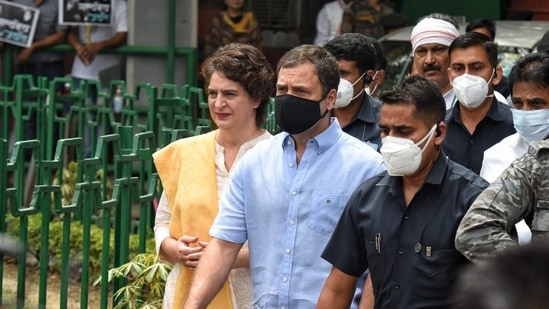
(108,196)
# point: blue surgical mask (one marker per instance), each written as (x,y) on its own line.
(532,125)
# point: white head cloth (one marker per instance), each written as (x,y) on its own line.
(433,30)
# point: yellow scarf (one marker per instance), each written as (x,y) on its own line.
(243,25)
(187,170)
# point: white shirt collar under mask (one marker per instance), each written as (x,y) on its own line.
(345,91)
(471,90)
(401,155)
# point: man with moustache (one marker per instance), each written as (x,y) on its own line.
(529,80)
(430,40)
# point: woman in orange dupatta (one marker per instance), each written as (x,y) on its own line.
(195,171)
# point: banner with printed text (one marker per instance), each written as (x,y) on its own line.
(17,23)
(86,12)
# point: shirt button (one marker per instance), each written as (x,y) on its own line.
(397,287)
(406,217)
(288,251)
(292,222)
(284,279)
(401,251)
(471,141)
(291,165)
(417,248)
(319,153)
(282,307)
(294,193)
(289,143)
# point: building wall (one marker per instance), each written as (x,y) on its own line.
(537,9)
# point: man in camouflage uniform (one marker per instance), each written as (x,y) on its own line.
(363,16)
(521,192)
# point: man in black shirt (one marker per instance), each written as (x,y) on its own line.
(401,224)
(356,111)
(479,120)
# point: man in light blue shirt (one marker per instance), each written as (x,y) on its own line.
(287,193)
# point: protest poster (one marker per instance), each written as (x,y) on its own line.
(86,12)
(17,23)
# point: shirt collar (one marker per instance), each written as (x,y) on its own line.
(324,139)
(366,112)
(495,113)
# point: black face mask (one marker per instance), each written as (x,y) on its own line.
(295,115)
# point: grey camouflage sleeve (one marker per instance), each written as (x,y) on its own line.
(485,229)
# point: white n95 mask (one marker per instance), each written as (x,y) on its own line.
(471,90)
(401,155)
(345,92)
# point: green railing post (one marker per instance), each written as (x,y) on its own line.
(107,206)
(6,106)
(67,211)
(3,201)
(143,147)
(123,170)
(16,200)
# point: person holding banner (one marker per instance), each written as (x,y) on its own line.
(33,59)
(36,61)
(88,40)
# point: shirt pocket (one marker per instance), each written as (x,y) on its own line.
(375,258)
(440,263)
(48,21)
(540,222)
(325,212)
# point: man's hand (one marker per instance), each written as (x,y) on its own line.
(23,55)
(88,52)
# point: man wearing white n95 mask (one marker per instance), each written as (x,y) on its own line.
(401,223)
(356,111)
(479,120)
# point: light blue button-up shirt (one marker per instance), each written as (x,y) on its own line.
(287,211)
